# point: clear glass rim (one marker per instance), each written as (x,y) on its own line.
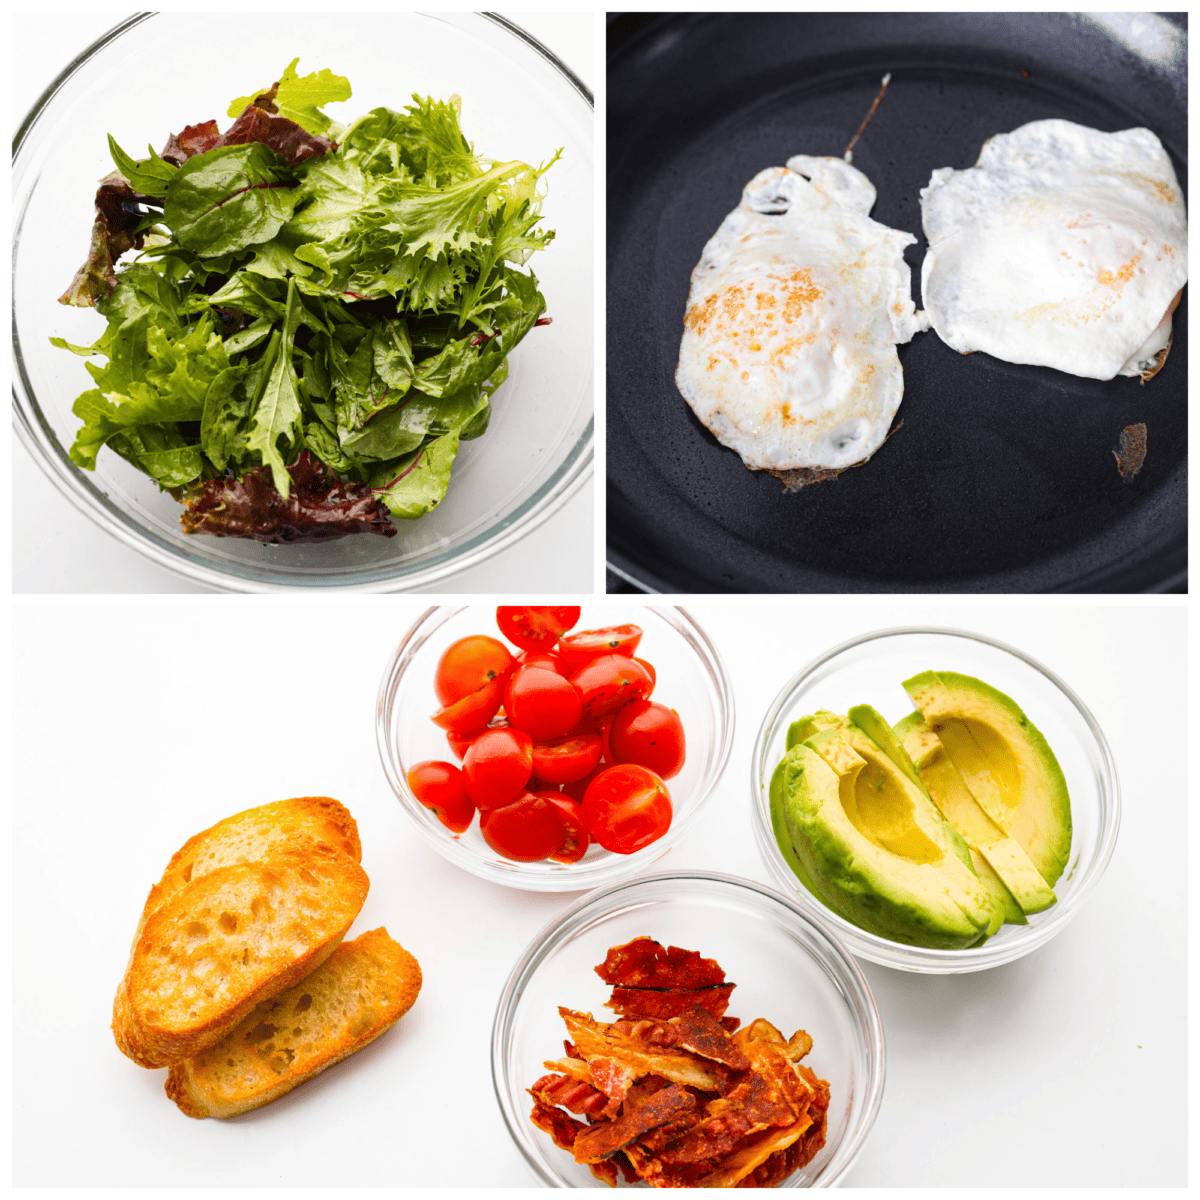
(578,877)
(853,985)
(70,482)
(893,954)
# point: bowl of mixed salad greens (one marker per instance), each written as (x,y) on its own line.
(337,330)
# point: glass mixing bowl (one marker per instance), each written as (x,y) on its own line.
(869,670)
(788,968)
(690,679)
(518,102)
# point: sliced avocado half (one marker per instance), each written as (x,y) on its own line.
(870,843)
(1004,762)
(1004,856)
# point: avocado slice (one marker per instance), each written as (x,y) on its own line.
(1004,856)
(1004,762)
(802,729)
(873,847)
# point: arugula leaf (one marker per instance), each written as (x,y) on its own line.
(228,199)
(277,413)
(149,176)
(299,98)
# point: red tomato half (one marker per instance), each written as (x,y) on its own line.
(439,786)
(467,665)
(650,735)
(527,830)
(540,658)
(587,644)
(535,628)
(627,808)
(472,713)
(541,703)
(575,839)
(568,758)
(607,683)
(649,671)
(497,767)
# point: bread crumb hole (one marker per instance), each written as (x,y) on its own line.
(260,1033)
(197,929)
(304,1003)
(187,873)
(309,877)
(228,922)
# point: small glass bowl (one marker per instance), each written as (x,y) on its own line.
(788,968)
(869,670)
(690,679)
(518,102)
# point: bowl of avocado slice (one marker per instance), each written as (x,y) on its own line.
(957,826)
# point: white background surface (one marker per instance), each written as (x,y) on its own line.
(136,725)
(56,549)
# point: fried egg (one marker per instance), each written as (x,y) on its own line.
(795,311)
(1063,247)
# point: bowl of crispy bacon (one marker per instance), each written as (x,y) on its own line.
(742,1046)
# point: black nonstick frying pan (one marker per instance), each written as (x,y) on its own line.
(1002,477)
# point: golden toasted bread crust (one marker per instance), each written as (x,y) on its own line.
(252,835)
(228,940)
(361,991)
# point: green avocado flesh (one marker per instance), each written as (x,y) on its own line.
(1006,766)
(861,833)
(1002,854)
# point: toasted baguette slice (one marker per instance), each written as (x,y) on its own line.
(361,990)
(251,836)
(229,940)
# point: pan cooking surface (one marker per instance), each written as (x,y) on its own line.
(999,477)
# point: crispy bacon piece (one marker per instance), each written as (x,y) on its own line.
(563,1129)
(650,1003)
(601,1140)
(575,1094)
(594,1039)
(319,508)
(645,963)
(701,1034)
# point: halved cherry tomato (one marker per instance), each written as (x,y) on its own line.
(575,839)
(540,658)
(535,628)
(606,683)
(627,808)
(440,786)
(543,704)
(567,758)
(527,830)
(472,713)
(460,745)
(587,644)
(497,766)
(467,665)
(650,735)
(649,671)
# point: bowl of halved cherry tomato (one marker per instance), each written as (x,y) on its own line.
(554,748)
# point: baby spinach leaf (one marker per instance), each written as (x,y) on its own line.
(228,199)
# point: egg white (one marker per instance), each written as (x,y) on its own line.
(1062,247)
(795,311)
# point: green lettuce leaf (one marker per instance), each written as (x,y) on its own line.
(300,98)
